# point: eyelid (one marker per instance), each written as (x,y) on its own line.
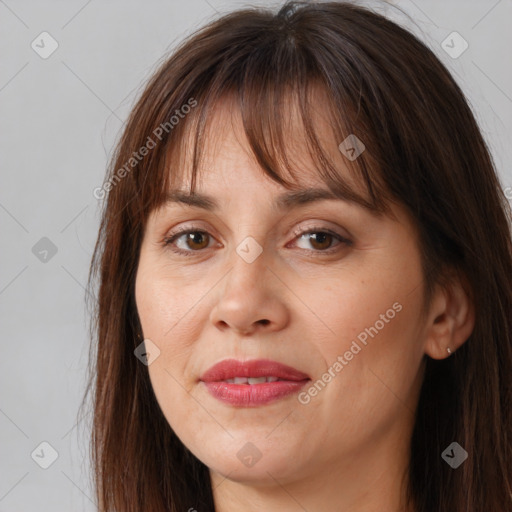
(170,238)
(316,229)
(343,240)
(296,231)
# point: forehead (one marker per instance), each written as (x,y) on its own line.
(229,170)
(226,154)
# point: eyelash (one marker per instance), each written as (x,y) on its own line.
(169,241)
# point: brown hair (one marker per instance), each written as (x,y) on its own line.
(423,150)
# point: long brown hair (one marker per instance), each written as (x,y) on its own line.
(423,149)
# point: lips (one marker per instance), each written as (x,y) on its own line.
(231,369)
(252,383)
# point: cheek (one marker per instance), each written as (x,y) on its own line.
(371,304)
(164,315)
(374,342)
(172,313)
(163,302)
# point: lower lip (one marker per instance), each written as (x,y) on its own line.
(253,395)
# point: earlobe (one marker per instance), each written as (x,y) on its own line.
(450,321)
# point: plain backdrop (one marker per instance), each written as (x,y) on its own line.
(60,117)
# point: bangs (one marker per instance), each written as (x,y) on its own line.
(284,94)
(281,124)
(284,102)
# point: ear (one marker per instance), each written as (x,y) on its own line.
(451,319)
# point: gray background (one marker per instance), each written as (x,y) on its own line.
(60,119)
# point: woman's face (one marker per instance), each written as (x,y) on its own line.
(341,305)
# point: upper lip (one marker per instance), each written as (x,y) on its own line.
(231,368)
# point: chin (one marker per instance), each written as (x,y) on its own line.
(246,461)
(262,473)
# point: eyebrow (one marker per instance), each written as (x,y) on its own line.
(287,200)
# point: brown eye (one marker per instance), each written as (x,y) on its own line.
(196,239)
(187,242)
(320,240)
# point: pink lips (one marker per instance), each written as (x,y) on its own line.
(250,394)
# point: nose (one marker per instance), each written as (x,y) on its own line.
(252,298)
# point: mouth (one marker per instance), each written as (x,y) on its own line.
(252,383)
(252,380)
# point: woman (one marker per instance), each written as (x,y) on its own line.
(304,268)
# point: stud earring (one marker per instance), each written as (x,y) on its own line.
(449,350)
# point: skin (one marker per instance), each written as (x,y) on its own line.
(347,448)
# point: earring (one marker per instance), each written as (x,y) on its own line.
(449,350)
